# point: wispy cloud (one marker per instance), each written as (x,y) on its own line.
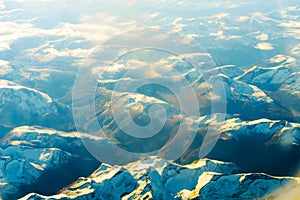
(52,53)
(2,4)
(264,46)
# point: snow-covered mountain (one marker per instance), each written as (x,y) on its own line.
(27,99)
(233,64)
(38,153)
(154,178)
(32,156)
(21,105)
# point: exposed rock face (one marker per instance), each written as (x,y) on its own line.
(258,141)
(289,95)
(22,169)
(248,101)
(239,186)
(44,44)
(247,92)
(243,99)
(238,138)
(278,77)
(158,179)
(260,96)
(254,99)
(271,74)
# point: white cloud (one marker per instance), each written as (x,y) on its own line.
(177,25)
(262,37)
(91,32)
(218,16)
(33,1)
(290,24)
(8,12)
(2,4)
(220,36)
(242,18)
(4,63)
(296,50)
(51,53)
(115,68)
(98,18)
(260,17)
(12,31)
(264,46)
(4,67)
(292,29)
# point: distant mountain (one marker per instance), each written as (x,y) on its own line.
(225,75)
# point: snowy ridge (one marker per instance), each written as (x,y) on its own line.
(31,156)
(157,179)
(27,99)
(21,105)
(254,51)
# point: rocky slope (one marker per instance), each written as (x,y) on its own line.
(258,125)
(20,105)
(248,92)
(158,179)
(278,78)
(250,73)
(31,156)
(258,141)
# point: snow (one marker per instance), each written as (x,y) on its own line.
(262,95)
(29,154)
(24,99)
(206,183)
